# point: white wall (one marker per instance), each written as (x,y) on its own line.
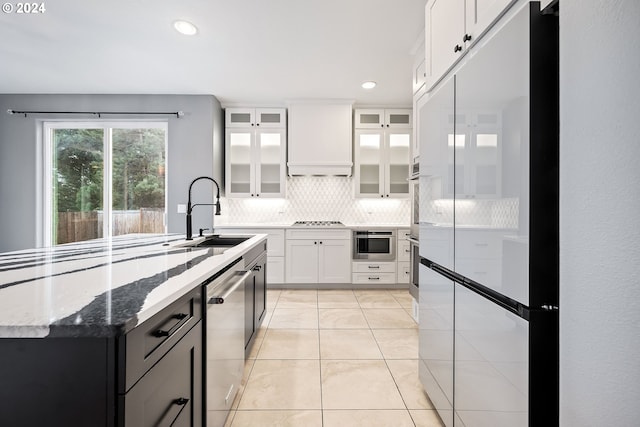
(195,140)
(600,213)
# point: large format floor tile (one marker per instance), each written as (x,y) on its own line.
(334,358)
(348,344)
(358,384)
(290,344)
(282,384)
(367,418)
(342,318)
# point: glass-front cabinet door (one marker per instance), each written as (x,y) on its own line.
(270,171)
(397,170)
(369,163)
(240,171)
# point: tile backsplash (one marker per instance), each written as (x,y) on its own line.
(322,198)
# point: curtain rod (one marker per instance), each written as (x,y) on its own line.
(178,114)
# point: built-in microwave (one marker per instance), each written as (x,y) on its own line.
(379,245)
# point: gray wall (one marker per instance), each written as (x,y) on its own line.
(600,213)
(194,141)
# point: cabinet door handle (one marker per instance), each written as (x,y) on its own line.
(320,242)
(162,333)
(466,38)
(257,268)
(172,413)
(457,49)
(315,243)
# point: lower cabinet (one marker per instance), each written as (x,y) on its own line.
(150,376)
(169,394)
(255,307)
(374,273)
(318,256)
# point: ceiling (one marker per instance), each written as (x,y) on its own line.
(261,52)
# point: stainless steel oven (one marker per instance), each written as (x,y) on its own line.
(379,245)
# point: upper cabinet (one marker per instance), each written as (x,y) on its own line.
(451,27)
(320,135)
(382,153)
(255,152)
(381,118)
(256,117)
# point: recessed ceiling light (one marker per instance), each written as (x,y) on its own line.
(186,28)
(368,85)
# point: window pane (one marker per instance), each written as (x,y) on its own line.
(77,173)
(138,181)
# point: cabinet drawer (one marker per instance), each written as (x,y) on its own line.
(275,237)
(404,250)
(373,278)
(319,234)
(170,393)
(374,267)
(147,343)
(404,272)
(478,244)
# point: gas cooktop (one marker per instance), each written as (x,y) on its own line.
(318,224)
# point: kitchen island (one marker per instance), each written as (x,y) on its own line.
(106,332)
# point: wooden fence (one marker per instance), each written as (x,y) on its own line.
(80,226)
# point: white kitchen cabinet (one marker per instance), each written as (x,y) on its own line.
(383,118)
(318,256)
(255,156)
(451,27)
(256,117)
(275,250)
(320,138)
(404,272)
(403,245)
(419,66)
(382,153)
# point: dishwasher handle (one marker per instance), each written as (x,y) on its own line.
(224,293)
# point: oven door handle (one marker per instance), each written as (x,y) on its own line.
(412,240)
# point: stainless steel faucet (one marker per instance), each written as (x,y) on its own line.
(190,207)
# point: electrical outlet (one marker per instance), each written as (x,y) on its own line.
(182,208)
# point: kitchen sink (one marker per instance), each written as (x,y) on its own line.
(216,241)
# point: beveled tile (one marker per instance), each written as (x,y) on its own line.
(397,343)
(294,318)
(367,418)
(376,299)
(425,418)
(337,299)
(290,344)
(388,318)
(282,384)
(342,318)
(348,344)
(405,374)
(298,299)
(278,419)
(358,384)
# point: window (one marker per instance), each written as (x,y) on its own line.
(103,179)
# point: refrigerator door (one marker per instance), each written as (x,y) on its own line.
(491,200)
(436,341)
(436,176)
(491,363)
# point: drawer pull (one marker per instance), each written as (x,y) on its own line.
(173,412)
(374,266)
(162,333)
(181,401)
(373,278)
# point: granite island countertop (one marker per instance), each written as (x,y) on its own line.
(102,287)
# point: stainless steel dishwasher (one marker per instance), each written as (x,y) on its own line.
(224,350)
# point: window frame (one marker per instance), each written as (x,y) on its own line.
(45,194)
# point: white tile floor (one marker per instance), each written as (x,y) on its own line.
(334,358)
